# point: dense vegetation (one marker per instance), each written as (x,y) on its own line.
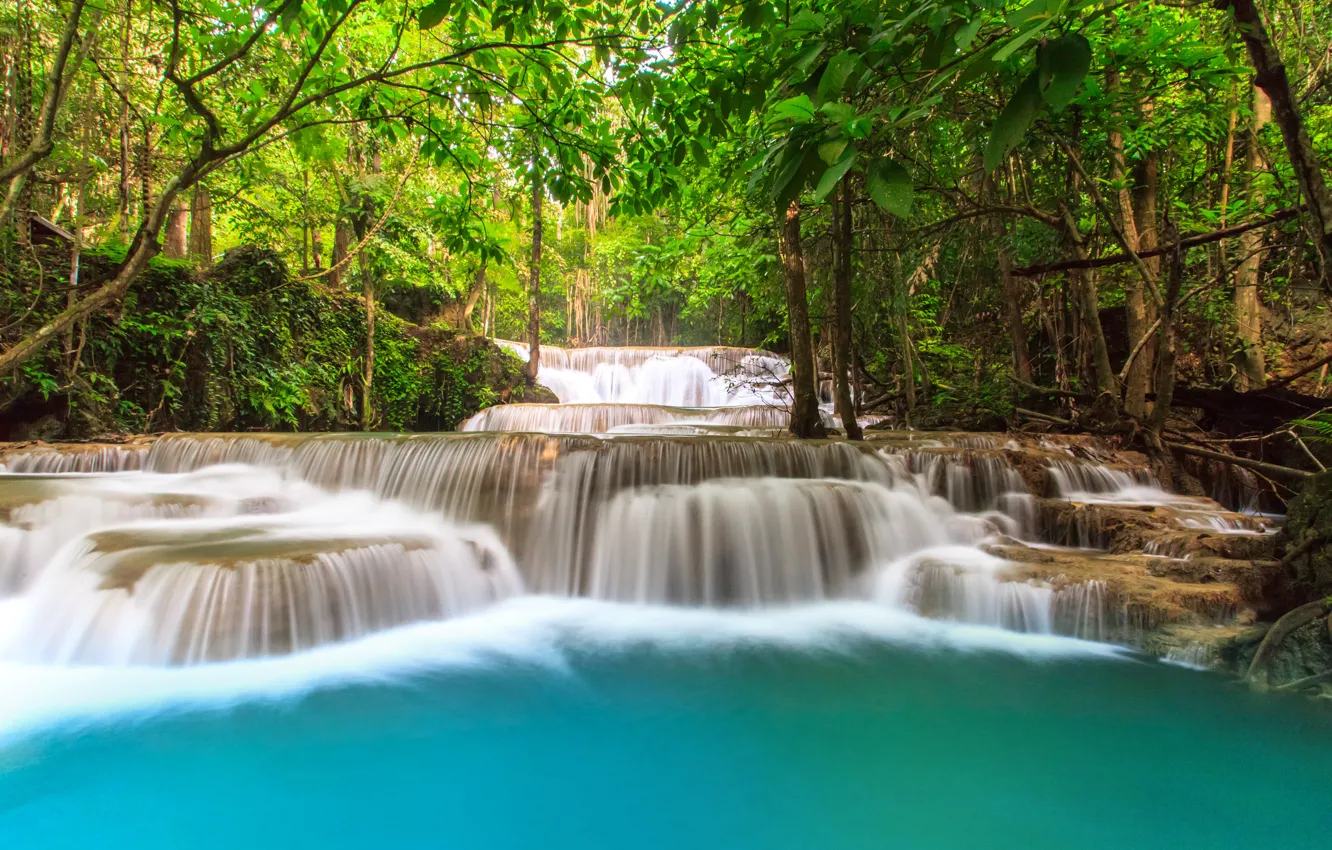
(955,204)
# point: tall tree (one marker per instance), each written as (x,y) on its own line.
(805,419)
(1250,363)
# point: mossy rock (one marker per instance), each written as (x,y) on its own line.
(1309,524)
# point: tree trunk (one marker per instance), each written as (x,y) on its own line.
(1250,364)
(1271,78)
(1138,380)
(1165,358)
(534,285)
(141,250)
(842,308)
(177,221)
(474,296)
(365,209)
(1084,290)
(201,226)
(368,383)
(124,198)
(1013,308)
(342,238)
(1146,180)
(805,421)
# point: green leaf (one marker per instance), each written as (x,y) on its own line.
(809,56)
(432,15)
(838,112)
(835,75)
(798,108)
(833,174)
(829,152)
(1011,47)
(890,187)
(1063,64)
(967,34)
(806,21)
(1014,121)
(1026,13)
(700,155)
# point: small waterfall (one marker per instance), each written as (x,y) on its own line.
(48,461)
(759,541)
(1086,482)
(602,418)
(241,575)
(709,376)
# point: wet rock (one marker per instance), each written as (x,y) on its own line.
(1119,528)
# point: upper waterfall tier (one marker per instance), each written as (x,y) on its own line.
(625,418)
(705,376)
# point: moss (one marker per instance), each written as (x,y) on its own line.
(1309,526)
(244,347)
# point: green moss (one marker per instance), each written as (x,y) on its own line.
(245,347)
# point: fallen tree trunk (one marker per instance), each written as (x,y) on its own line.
(1261,410)
(1271,470)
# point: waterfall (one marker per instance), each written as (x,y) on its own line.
(94,458)
(708,376)
(234,562)
(1089,482)
(759,541)
(604,418)
(668,486)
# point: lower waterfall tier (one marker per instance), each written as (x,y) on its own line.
(242,546)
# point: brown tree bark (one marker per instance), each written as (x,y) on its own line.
(534,284)
(842,205)
(1088,301)
(1165,357)
(42,141)
(1271,78)
(474,296)
(176,247)
(1250,364)
(201,226)
(805,420)
(342,239)
(1138,379)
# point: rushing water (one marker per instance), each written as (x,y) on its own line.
(639,621)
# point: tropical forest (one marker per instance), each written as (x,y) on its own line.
(492,423)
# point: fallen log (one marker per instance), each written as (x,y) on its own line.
(1041,417)
(1257,410)
(1271,470)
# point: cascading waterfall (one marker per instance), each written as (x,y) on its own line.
(601,418)
(183,564)
(235,546)
(232,562)
(48,461)
(707,376)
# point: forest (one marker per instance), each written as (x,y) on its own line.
(302,214)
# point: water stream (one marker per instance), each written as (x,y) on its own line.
(641,617)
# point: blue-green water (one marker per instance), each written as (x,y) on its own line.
(559,725)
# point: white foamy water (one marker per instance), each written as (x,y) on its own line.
(229,562)
(529,631)
(711,376)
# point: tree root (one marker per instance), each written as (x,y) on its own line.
(1281,629)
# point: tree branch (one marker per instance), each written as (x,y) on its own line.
(1187,242)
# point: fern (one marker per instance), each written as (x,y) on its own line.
(1317,429)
